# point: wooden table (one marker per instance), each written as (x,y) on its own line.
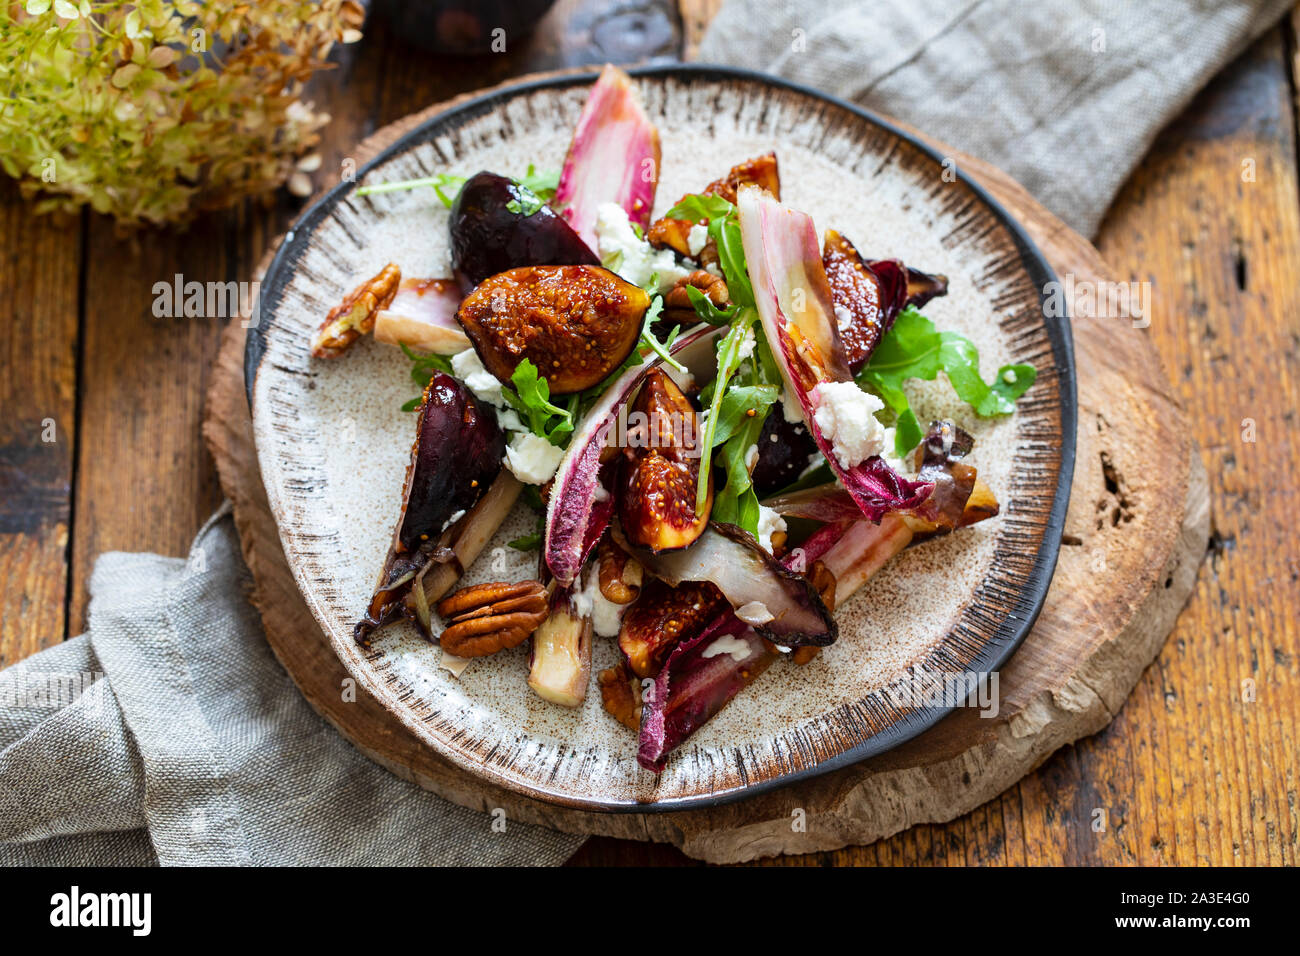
(100,447)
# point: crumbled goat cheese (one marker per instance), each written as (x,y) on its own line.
(697,238)
(751,457)
(606,616)
(845,317)
(532,458)
(453,519)
(467,367)
(846,416)
(622,251)
(754,613)
(769,523)
(728,644)
(790,407)
(747,343)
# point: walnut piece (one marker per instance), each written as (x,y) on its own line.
(485,618)
(355,315)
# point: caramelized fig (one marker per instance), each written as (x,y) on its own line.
(664,616)
(864,304)
(496,225)
(660,471)
(576,324)
(674,233)
(784,450)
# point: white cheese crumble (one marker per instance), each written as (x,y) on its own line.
(790,407)
(769,523)
(606,616)
(747,343)
(751,457)
(623,251)
(532,458)
(467,367)
(754,613)
(728,644)
(846,416)
(697,239)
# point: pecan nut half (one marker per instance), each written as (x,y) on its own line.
(620,574)
(485,618)
(355,315)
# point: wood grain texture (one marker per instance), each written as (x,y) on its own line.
(38,429)
(1137,542)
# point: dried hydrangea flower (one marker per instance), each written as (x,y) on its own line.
(149,111)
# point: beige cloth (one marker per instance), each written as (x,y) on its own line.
(170,734)
(1065,95)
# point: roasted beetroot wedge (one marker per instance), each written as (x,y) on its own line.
(496,226)
(661,469)
(576,324)
(614,157)
(675,233)
(456,457)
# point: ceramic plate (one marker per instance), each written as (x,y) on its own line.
(333,443)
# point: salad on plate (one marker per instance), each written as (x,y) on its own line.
(706,411)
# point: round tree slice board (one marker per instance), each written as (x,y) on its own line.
(1135,535)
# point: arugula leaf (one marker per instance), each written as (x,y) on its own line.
(741,405)
(913,348)
(527,203)
(423,367)
(528,542)
(705,308)
(539,186)
(531,397)
(724,230)
(728,362)
(443,181)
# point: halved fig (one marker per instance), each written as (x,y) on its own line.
(456,457)
(576,324)
(664,616)
(575,515)
(497,225)
(675,233)
(922,286)
(865,305)
(660,471)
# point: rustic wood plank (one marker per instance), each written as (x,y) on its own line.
(40,259)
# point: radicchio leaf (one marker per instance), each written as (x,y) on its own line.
(794,303)
(696,682)
(579,506)
(730,559)
(614,157)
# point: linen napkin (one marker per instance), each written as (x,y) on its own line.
(1065,95)
(169,733)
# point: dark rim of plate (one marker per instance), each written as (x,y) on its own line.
(1012,630)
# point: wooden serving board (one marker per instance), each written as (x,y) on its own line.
(1135,535)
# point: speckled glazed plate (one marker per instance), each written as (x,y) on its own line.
(333,443)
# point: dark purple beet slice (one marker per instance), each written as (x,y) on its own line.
(488,237)
(456,457)
(783,451)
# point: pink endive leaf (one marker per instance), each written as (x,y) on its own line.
(794,303)
(579,506)
(614,157)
